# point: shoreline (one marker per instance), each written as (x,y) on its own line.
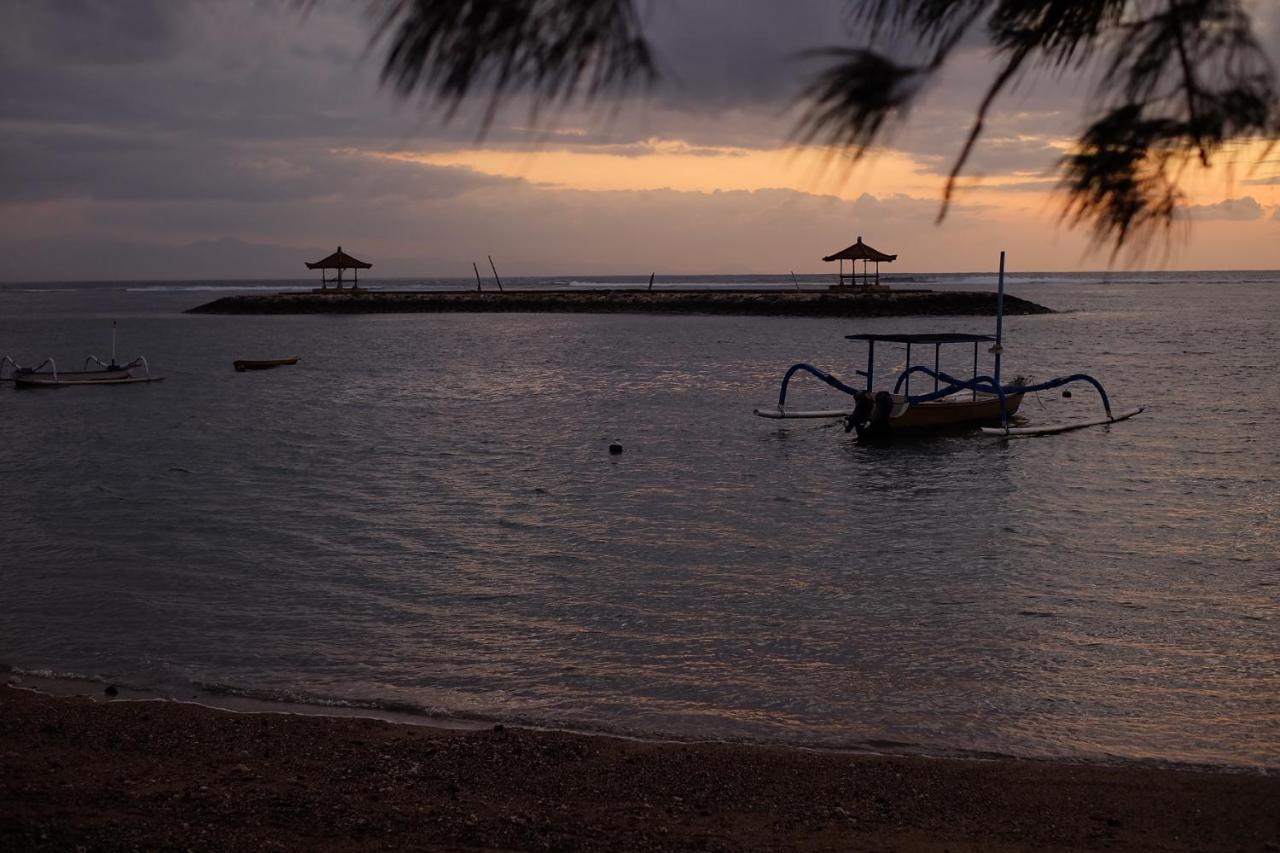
(903,303)
(76,771)
(223,698)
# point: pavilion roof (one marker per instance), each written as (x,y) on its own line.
(339,260)
(860,251)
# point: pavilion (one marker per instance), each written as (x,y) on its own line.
(339,261)
(860,251)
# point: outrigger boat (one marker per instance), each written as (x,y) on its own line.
(108,374)
(952,402)
(243,364)
(104,374)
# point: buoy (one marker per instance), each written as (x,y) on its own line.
(111,690)
(615,448)
(1066,394)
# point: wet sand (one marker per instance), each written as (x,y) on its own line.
(765,303)
(100,775)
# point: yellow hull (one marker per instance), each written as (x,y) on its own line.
(956,410)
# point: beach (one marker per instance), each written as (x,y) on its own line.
(120,775)
(771,303)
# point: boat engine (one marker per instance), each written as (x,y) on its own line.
(861,412)
(870,416)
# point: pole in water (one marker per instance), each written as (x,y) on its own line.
(113,343)
(495,274)
(651,275)
(998,349)
(477,269)
(797,281)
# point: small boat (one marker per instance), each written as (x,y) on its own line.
(243,364)
(981,400)
(112,374)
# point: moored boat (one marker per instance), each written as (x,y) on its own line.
(981,400)
(957,403)
(105,373)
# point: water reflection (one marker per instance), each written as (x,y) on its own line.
(424,511)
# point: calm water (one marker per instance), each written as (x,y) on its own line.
(423,514)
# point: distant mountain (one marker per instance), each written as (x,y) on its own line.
(78,258)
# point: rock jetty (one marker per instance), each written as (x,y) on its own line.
(764,303)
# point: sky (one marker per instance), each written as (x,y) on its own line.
(202,139)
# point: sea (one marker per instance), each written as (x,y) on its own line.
(423,518)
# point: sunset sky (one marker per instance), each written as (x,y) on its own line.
(186,139)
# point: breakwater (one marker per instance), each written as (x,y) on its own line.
(609,301)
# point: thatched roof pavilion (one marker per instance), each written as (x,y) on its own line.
(339,261)
(860,251)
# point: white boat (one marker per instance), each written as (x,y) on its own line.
(46,373)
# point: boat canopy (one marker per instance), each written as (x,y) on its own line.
(943,338)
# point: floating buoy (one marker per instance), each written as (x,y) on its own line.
(1066,394)
(111,691)
(615,449)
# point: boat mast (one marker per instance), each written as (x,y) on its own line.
(999,348)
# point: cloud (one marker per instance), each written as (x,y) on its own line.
(1233,209)
(93,33)
(45,162)
(143,123)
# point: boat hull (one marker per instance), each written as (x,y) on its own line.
(41,381)
(959,410)
(49,379)
(241,365)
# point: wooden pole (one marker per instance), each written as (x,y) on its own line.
(495,274)
(998,349)
(477,269)
(796,280)
(651,275)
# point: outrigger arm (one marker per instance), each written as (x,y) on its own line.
(985,384)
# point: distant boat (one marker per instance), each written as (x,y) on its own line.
(243,364)
(105,374)
(28,378)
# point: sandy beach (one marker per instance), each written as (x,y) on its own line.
(761,303)
(78,773)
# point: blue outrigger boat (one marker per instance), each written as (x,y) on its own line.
(980,400)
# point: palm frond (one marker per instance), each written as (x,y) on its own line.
(551,50)
(1184,78)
